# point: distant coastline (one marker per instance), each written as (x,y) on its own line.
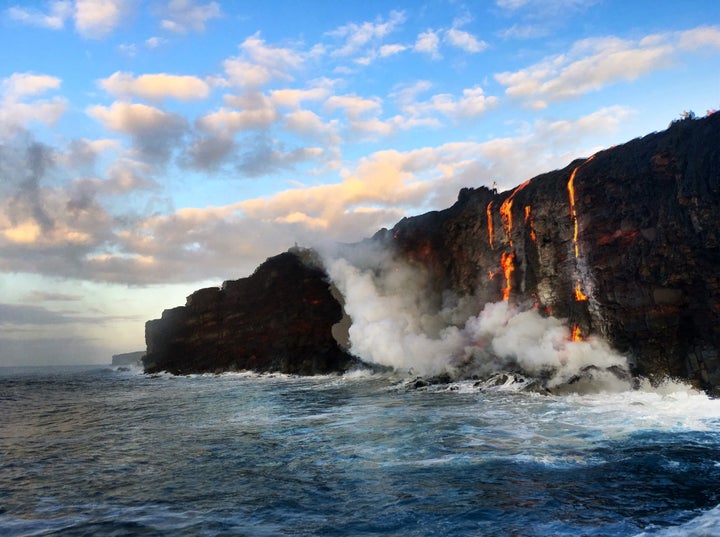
(128,358)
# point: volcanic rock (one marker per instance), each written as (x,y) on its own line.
(278,319)
(624,244)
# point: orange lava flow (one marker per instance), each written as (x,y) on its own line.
(579,295)
(528,220)
(576,335)
(506,210)
(507,262)
(573,212)
(491,231)
(506,215)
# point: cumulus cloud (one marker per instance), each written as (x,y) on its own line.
(265,155)
(18,109)
(54,19)
(96,19)
(182,16)
(155,133)
(465,41)
(428,42)
(592,64)
(356,38)
(155,87)
(259,63)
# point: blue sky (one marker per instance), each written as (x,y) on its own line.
(151,148)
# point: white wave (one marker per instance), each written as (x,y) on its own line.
(705,525)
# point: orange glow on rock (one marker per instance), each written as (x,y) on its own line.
(576,335)
(491,231)
(573,211)
(507,262)
(579,295)
(528,221)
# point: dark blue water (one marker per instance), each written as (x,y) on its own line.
(92,451)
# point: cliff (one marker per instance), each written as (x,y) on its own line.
(623,244)
(278,319)
(128,358)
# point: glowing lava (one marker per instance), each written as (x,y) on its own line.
(576,335)
(573,211)
(506,210)
(579,295)
(507,262)
(491,231)
(528,221)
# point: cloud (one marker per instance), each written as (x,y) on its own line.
(590,65)
(20,314)
(46,296)
(154,132)
(465,41)
(266,156)
(293,98)
(701,37)
(230,121)
(428,43)
(182,16)
(308,124)
(353,105)
(96,19)
(155,87)
(17,110)
(259,63)
(54,19)
(357,37)
(473,103)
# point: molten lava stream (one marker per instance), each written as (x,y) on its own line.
(579,295)
(507,262)
(491,232)
(576,335)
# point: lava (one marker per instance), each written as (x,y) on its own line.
(507,262)
(576,335)
(573,211)
(491,232)
(579,295)
(528,221)
(506,210)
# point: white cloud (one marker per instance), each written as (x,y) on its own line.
(428,43)
(701,37)
(153,131)
(259,63)
(55,19)
(465,41)
(155,86)
(182,16)
(353,105)
(96,19)
(17,111)
(590,65)
(356,37)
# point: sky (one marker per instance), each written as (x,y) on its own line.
(152,148)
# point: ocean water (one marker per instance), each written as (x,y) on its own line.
(100,451)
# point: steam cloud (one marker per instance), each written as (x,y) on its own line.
(396,323)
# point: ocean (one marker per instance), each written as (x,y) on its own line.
(106,451)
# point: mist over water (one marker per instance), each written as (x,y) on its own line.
(395,323)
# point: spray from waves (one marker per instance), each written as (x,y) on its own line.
(396,322)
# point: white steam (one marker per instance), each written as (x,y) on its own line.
(397,323)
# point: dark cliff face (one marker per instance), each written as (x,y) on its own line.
(625,244)
(278,319)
